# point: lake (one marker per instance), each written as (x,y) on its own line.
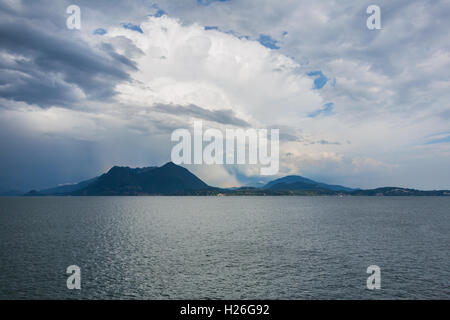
(224,247)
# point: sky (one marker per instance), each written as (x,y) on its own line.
(357,107)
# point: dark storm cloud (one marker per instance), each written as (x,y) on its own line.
(219,116)
(118,57)
(44,68)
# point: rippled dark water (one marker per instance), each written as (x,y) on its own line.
(224,247)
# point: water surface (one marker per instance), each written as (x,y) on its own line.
(224,247)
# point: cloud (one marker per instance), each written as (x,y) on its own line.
(39,67)
(219,116)
(188,65)
(387,90)
(364,163)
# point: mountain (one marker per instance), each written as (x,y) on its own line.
(11,193)
(301,183)
(171,179)
(65,189)
(254,185)
(396,191)
(250,185)
(165,180)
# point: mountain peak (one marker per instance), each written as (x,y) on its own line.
(117,168)
(170,164)
(167,179)
(294,182)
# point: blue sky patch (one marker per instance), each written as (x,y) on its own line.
(208,2)
(100,31)
(440,138)
(133,27)
(320,80)
(327,110)
(268,41)
(158,11)
(232,32)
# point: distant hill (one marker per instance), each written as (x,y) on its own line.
(11,193)
(171,179)
(68,188)
(301,183)
(396,191)
(254,185)
(165,180)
